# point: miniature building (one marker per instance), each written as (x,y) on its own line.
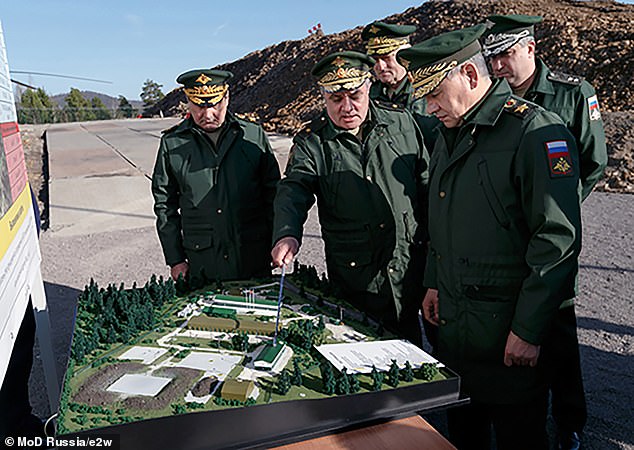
(237,389)
(268,357)
(249,303)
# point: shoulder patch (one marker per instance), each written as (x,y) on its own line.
(519,107)
(565,78)
(593,108)
(559,160)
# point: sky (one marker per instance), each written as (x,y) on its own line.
(127,42)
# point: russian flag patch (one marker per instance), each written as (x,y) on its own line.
(559,160)
(593,108)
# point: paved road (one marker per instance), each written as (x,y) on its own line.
(102,226)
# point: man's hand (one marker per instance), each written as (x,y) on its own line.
(430,306)
(520,352)
(180,268)
(284,251)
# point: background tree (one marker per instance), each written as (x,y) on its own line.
(100,110)
(355,386)
(35,107)
(77,108)
(125,109)
(151,93)
(428,371)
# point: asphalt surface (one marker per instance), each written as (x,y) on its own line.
(102,227)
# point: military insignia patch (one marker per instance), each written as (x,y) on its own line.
(593,107)
(559,160)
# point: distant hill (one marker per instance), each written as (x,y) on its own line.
(110,102)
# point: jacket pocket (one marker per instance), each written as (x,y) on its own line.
(197,240)
(349,260)
(487,327)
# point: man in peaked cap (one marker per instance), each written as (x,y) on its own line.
(509,44)
(383,41)
(504,238)
(213,184)
(367,166)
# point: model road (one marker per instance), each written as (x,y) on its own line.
(102,226)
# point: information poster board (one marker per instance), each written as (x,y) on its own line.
(19,249)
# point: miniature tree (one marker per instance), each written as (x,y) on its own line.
(407,374)
(343,383)
(393,374)
(327,378)
(296,378)
(355,386)
(283,383)
(428,371)
(377,379)
(321,325)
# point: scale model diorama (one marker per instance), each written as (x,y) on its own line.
(167,350)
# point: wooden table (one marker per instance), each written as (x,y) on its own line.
(403,434)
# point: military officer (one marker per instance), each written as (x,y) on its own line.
(393,86)
(509,45)
(213,184)
(505,236)
(367,166)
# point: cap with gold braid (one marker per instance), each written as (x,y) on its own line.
(382,38)
(343,71)
(205,87)
(506,31)
(430,61)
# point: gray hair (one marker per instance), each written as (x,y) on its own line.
(478,61)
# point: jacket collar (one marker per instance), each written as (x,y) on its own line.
(489,108)
(541,83)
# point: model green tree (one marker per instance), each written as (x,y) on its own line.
(151,93)
(283,383)
(377,379)
(355,386)
(327,378)
(296,378)
(393,374)
(407,374)
(240,342)
(342,386)
(428,371)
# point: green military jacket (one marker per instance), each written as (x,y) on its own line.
(403,98)
(371,199)
(505,232)
(575,101)
(214,204)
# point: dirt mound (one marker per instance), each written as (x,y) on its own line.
(594,39)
